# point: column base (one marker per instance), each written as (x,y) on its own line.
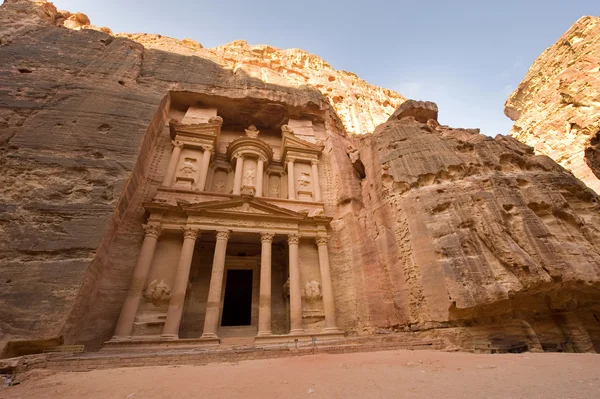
(298,331)
(169,336)
(116,338)
(333,330)
(209,336)
(264,334)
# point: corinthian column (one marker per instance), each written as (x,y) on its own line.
(295,286)
(170,174)
(208,150)
(140,273)
(213,303)
(182,275)
(264,303)
(259,177)
(237,181)
(315,181)
(291,178)
(327,289)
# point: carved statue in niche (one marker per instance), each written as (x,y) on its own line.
(274,189)
(286,129)
(312,291)
(157,292)
(249,177)
(188,168)
(304,179)
(219,186)
(286,289)
(252,132)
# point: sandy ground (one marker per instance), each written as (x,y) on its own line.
(393,374)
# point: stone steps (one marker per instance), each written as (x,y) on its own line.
(224,353)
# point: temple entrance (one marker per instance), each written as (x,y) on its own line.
(237,304)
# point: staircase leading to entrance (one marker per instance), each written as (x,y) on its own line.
(237,341)
(237,336)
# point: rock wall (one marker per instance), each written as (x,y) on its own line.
(435,229)
(359,105)
(556,107)
(458,229)
(79,112)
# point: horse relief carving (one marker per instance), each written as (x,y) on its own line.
(157,292)
(312,291)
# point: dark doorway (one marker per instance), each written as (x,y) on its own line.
(237,305)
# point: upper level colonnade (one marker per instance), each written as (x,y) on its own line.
(284,167)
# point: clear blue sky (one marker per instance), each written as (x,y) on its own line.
(467,56)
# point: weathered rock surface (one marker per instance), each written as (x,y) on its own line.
(556,107)
(78,114)
(422,111)
(434,228)
(359,105)
(462,229)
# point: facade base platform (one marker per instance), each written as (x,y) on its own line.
(306,337)
(156,343)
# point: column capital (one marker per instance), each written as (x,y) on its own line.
(208,148)
(293,238)
(190,232)
(266,237)
(223,235)
(152,230)
(262,158)
(290,159)
(321,240)
(215,119)
(177,143)
(238,155)
(314,161)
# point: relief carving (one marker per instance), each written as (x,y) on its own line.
(286,289)
(312,291)
(219,187)
(274,189)
(304,180)
(157,292)
(249,177)
(189,169)
(252,132)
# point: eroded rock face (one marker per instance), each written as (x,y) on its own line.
(433,228)
(462,229)
(556,107)
(359,105)
(422,111)
(79,111)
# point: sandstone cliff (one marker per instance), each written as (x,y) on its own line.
(556,107)
(359,105)
(461,229)
(435,229)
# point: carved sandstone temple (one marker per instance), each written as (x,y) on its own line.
(156,195)
(235,239)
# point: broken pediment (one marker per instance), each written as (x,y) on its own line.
(297,147)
